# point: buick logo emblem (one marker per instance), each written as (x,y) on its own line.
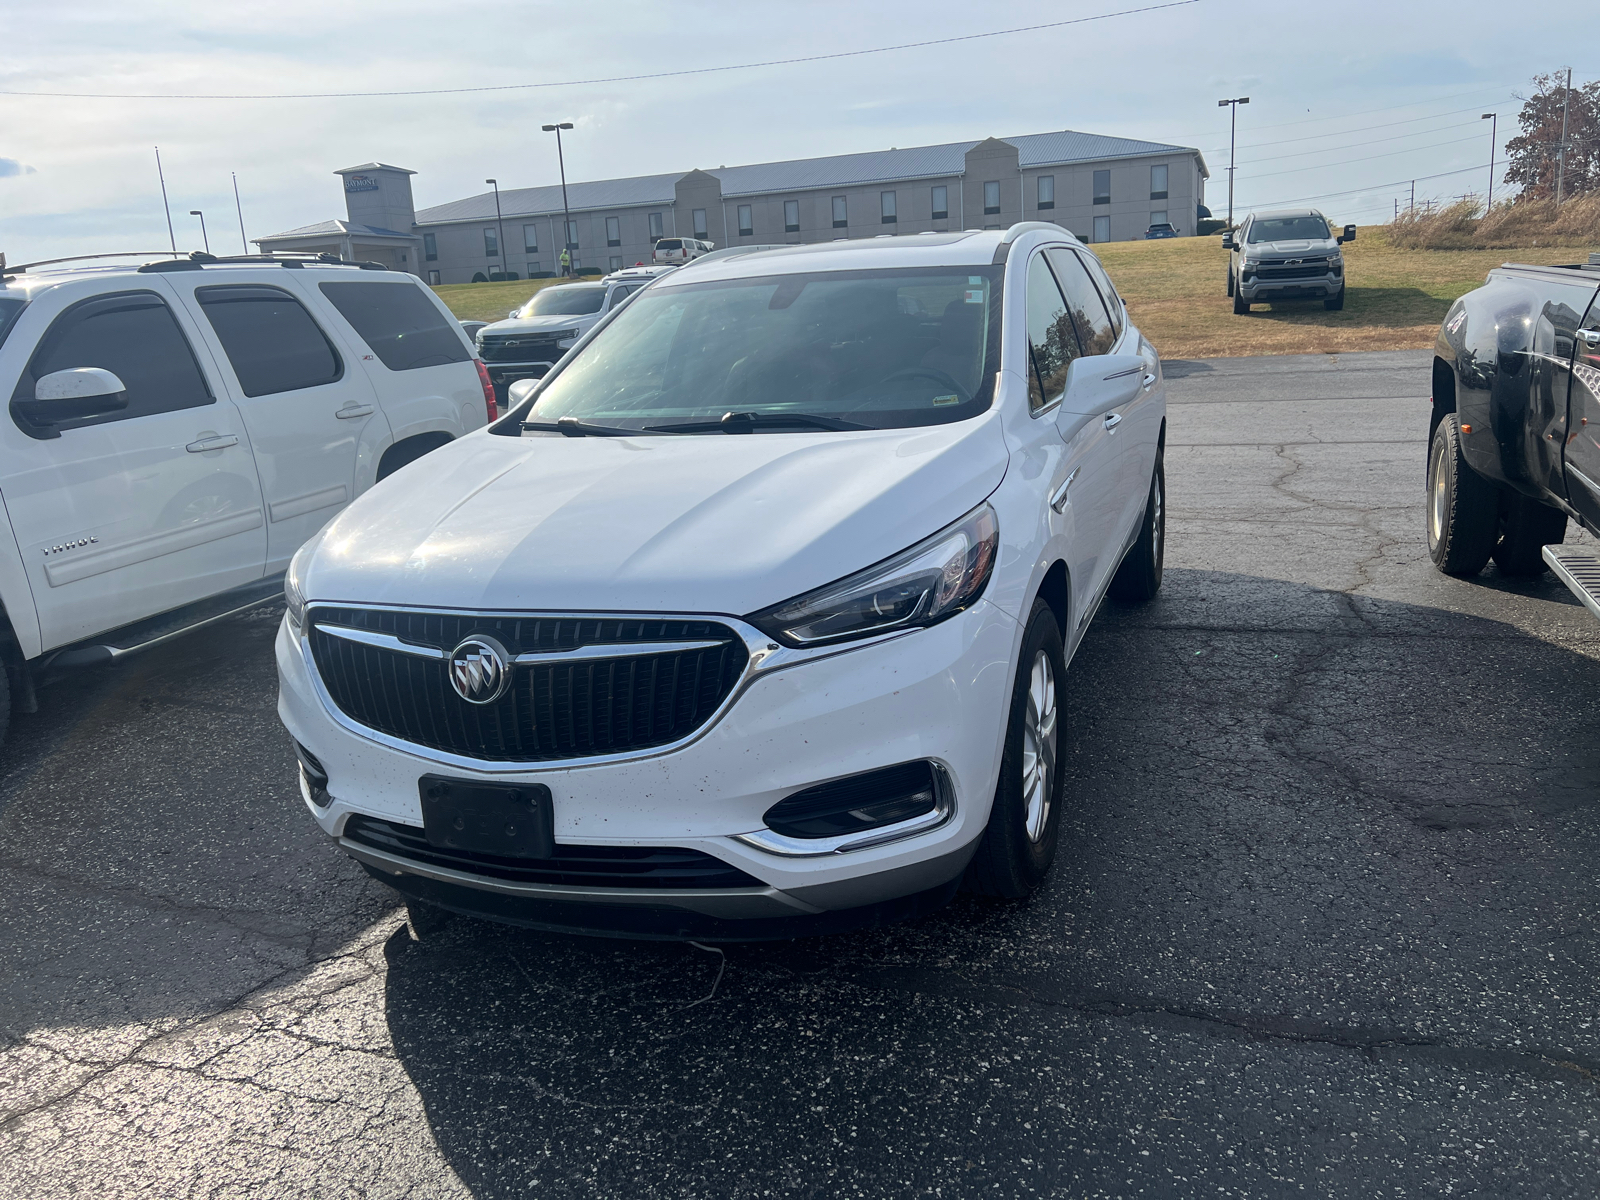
(480,670)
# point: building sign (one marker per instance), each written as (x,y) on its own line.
(360,183)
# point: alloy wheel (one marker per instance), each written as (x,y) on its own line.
(1039,746)
(1438,492)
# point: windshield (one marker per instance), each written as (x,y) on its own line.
(565,301)
(883,349)
(1289,229)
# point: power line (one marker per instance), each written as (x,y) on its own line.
(1368,111)
(1364,142)
(1363,128)
(1344,162)
(1371,187)
(511,87)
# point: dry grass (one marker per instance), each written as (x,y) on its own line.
(1176,290)
(488,301)
(1526,224)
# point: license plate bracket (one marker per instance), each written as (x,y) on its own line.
(505,820)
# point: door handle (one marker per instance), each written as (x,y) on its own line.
(1113,420)
(221,442)
(1589,337)
(1058,498)
(1150,379)
(360,410)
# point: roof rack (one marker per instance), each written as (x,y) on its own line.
(165,260)
(50,262)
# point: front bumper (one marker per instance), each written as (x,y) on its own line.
(939,694)
(1254,288)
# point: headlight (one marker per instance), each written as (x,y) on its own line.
(933,580)
(293,589)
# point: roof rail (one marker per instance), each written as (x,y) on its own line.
(199,259)
(50,262)
(1022,227)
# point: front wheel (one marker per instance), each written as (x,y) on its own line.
(1335,302)
(1463,506)
(1019,843)
(1139,577)
(1240,304)
(1230,283)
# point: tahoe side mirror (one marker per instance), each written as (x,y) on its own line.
(1227,241)
(513,312)
(1096,385)
(520,391)
(72,394)
(1349,234)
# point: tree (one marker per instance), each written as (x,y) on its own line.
(1531,155)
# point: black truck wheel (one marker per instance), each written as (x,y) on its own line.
(1240,304)
(1526,528)
(1230,282)
(1334,302)
(1463,506)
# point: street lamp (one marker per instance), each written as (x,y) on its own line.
(1233,129)
(566,213)
(1494,122)
(500,228)
(195,212)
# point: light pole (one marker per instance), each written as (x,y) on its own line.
(195,212)
(500,228)
(1494,128)
(239,208)
(1561,152)
(1233,129)
(566,213)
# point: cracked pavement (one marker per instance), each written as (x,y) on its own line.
(1323,921)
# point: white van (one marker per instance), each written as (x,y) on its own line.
(677,251)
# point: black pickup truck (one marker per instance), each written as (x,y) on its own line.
(1515,441)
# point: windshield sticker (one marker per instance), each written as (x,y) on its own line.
(974,295)
(947,399)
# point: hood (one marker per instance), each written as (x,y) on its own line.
(1293,249)
(541,324)
(721,523)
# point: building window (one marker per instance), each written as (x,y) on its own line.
(616,262)
(533,267)
(530,239)
(613,231)
(433,278)
(1158,182)
(791,216)
(572,236)
(430,247)
(491,244)
(700,230)
(1047,191)
(1158,218)
(840,215)
(991,197)
(941,203)
(1102,188)
(1102,227)
(886,207)
(655,227)
(746,221)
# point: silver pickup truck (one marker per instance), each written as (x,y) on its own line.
(1290,253)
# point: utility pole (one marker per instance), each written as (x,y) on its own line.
(1561,151)
(195,212)
(240,209)
(1412,207)
(1233,130)
(1494,128)
(167,208)
(500,231)
(566,213)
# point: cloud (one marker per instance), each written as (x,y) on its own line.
(10,166)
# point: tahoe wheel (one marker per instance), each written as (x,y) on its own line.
(1240,304)
(1526,528)
(1335,302)
(1463,506)
(1139,577)
(1230,281)
(1019,843)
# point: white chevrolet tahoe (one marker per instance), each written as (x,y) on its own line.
(177,430)
(753,618)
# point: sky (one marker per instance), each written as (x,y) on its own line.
(1348,102)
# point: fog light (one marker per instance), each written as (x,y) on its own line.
(883,797)
(313,776)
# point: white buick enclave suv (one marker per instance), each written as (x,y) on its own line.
(751,618)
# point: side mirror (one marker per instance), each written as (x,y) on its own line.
(513,313)
(520,391)
(1096,385)
(1349,234)
(71,394)
(1227,241)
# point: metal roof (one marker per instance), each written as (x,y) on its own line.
(374,166)
(839,170)
(336,228)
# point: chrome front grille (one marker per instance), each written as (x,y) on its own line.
(630,684)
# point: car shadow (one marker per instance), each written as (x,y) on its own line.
(1366,306)
(1265,781)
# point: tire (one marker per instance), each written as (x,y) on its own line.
(1526,528)
(5,701)
(426,921)
(1230,283)
(1463,507)
(403,454)
(1019,843)
(1138,579)
(1335,302)
(1240,304)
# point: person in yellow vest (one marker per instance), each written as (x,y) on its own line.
(566,263)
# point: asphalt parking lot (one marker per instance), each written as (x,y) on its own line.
(1324,920)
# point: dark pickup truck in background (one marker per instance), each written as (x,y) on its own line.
(1515,441)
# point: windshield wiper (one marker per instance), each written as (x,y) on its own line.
(745,422)
(572,427)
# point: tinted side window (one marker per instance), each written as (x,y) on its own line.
(1051,340)
(272,342)
(1108,291)
(399,323)
(10,309)
(134,336)
(1088,310)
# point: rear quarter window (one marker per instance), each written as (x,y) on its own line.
(271,341)
(399,324)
